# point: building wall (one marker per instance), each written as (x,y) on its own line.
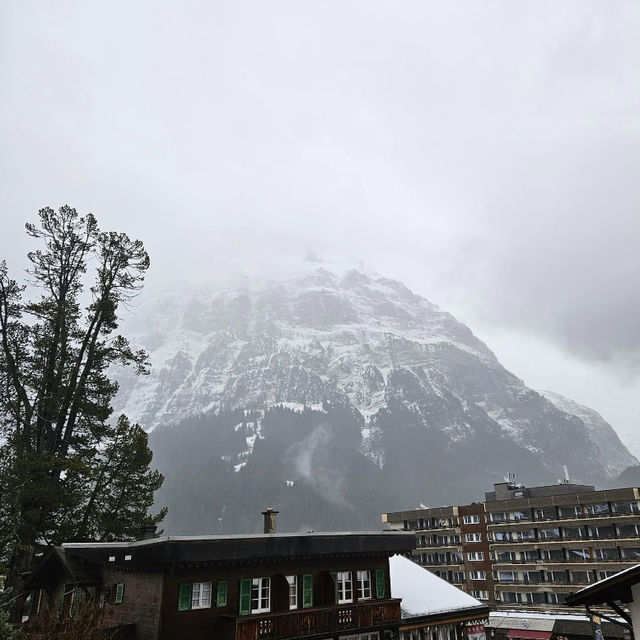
(142,601)
(473,585)
(217,621)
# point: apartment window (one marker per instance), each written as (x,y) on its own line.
(529,556)
(364,585)
(578,554)
(293,591)
(553,554)
(507,576)
(631,552)
(626,507)
(413,525)
(517,516)
(628,531)
(478,575)
(556,598)
(556,576)
(260,595)
(572,532)
(480,594)
(533,577)
(511,597)
(475,556)
(473,537)
(569,512)
(580,577)
(529,534)
(549,534)
(606,554)
(536,598)
(505,556)
(457,576)
(601,532)
(345,587)
(470,519)
(499,516)
(200,595)
(598,509)
(546,513)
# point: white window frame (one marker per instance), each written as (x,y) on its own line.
(263,586)
(201,595)
(473,537)
(471,519)
(364,585)
(475,556)
(345,587)
(293,591)
(478,575)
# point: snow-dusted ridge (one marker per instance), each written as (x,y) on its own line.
(341,333)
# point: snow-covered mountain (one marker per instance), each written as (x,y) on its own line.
(360,364)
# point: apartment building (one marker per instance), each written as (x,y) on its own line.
(528,546)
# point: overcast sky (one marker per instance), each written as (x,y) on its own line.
(487,153)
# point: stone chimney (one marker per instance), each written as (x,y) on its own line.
(270,520)
(147,531)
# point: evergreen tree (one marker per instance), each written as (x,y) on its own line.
(65,469)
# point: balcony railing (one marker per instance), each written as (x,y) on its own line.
(319,620)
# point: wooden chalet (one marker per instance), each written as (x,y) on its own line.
(241,587)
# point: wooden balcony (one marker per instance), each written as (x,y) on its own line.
(318,621)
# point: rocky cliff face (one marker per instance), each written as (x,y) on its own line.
(310,388)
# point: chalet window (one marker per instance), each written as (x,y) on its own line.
(221,595)
(345,587)
(293,591)
(381,586)
(364,585)
(260,595)
(200,595)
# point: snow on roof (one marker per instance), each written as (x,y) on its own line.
(422,592)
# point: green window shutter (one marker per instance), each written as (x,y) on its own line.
(381,587)
(307,591)
(184,597)
(245,597)
(221,599)
(119,599)
(334,575)
(77,599)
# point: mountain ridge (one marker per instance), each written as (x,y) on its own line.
(404,377)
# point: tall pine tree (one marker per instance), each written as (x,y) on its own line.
(66,471)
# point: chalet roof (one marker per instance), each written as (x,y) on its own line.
(77,570)
(426,595)
(240,548)
(611,589)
